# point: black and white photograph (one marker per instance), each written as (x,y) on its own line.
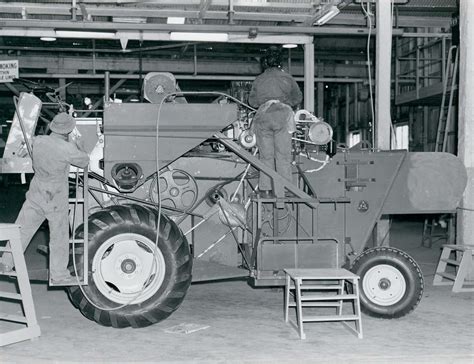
(237,181)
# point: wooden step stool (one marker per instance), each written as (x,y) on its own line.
(432,234)
(11,233)
(462,264)
(322,288)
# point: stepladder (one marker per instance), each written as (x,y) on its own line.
(331,289)
(20,294)
(455,268)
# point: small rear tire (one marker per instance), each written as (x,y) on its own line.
(391,282)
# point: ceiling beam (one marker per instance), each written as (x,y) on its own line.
(76,64)
(292,18)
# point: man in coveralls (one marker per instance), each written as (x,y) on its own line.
(48,195)
(274,93)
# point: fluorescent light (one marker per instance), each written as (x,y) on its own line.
(202,37)
(290,45)
(175,20)
(328,14)
(86,35)
(48,39)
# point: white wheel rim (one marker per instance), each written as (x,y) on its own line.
(384,285)
(128,268)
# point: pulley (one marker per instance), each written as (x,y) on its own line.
(126,175)
(178,189)
(158,85)
(320,133)
(215,194)
(247,139)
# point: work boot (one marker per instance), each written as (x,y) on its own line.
(64,279)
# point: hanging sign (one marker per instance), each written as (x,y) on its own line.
(8,70)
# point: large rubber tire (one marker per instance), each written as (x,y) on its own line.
(122,255)
(391,282)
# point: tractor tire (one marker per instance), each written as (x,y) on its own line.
(132,281)
(391,282)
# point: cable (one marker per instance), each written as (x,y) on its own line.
(368,14)
(323,163)
(75,264)
(464,209)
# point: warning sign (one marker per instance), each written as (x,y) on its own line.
(8,70)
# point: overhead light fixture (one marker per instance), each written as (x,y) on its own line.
(199,37)
(327,13)
(48,39)
(175,20)
(85,35)
(290,45)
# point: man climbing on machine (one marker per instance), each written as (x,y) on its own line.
(48,194)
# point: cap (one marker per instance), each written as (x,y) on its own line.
(273,56)
(62,123)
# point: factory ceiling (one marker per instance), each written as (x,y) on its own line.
(132,37)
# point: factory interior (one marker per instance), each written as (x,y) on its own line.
(177,252)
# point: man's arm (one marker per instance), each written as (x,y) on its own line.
(77,153)
(295,94)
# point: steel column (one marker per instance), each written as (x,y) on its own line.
(465,231)
(309,77)
(383,59)
(383,122)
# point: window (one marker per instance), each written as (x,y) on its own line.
(354,138)
(400,140)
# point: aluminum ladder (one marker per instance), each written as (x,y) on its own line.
(11,233)
(444,124)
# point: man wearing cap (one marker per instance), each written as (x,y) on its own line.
(48,195)
(274,93)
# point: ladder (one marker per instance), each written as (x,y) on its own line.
(78,213)
(460,258)
(11,233)
(444,121)
(444,125)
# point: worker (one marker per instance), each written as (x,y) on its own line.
(275,93)
(48,195)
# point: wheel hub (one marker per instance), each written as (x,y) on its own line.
(384,284)
(128,266)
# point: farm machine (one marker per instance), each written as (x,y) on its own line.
(170,197)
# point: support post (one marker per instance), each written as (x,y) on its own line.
(383,122)
(347,116)
(309,77)
(320,103)
(465,231)
(106,86)
(383,66)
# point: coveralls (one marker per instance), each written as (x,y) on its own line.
(48,198)
(274,93)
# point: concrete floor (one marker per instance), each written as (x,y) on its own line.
(246,326)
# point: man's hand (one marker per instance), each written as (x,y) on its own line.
(80,144)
